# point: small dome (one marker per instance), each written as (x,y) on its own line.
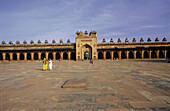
(118,40)
(24,42)
(94,32)
(156,40)
(31,42)
(134,40)
(3,42)
(10,42)
(164,39)
(68,41)
(126,40)
(149,40)
(141,40)
(61,41)
(111,40)
(86,33)
(104,40)
(17,42)
(39,42)
(77,32)
(53,42)
(46,41)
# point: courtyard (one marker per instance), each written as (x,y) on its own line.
(110,85)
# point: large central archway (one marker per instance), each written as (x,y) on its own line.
(86,52)
(86,55)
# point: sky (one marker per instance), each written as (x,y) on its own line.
(61,19)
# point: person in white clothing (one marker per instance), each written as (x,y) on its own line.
(50,64)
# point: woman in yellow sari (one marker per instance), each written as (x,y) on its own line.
(45,65)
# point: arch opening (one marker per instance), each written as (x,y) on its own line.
(7,56)
(42,56)
(65,56)
(1,56)
(161,54)
(138,55)
(14,56)
(116,56)
(146,54)
(86,55)
(100,55)
(123,55)
(153,54)
(57,56)
(28,56)
(168,54)
(50,56)
(73,55)
(131,55)
(21,56)
(108,56)
(35,56)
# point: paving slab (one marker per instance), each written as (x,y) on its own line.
(75,83)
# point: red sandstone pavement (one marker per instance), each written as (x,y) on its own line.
(110,85)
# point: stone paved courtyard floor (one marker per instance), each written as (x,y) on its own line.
(111,85)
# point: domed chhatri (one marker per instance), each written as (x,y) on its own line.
(141,40)
(164,39)
(46,41)
(17,42)
(119,40)
(111,40)
(10,42)
(86,33)
(77,33)
(39,42)
(94,32)
(104,41)
(149,40)
(3,42)
(68,41)
(156,40)
(24,42)
(61,41)
(53,41)
(134,40)
(31,42)
(126,40)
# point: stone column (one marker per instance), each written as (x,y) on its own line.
(32,56)
(54,53)
(3,54)
(39,56)
(142,54)
(112,55)
(165,54)
(134,52)
(25,56)
(61,55)
(97,55)
(150,54)
(104,55)
(127,54)
(69,55)
(119,54)
(11,56)
(46,54)
(157,54)
(18,54)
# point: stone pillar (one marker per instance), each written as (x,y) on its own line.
(32,56)
(157,54)
(46,54)
(119,54)
(3,54)
(11,56)
(165,54)
(18,54)
(134,52)
(150,54)
(61,55)
(97,55)
(127,54)
(54,55)
(39,56)
(69,55)
(142,54)
(25,56)
(104,55)
(112,55)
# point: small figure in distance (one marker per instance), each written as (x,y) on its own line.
(45,65)
(91,62)
(50,64)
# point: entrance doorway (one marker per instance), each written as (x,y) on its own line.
(86,55)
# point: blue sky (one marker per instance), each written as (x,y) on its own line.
(60,19)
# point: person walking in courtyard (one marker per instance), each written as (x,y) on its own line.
(45,65)
(50,64)
(91,62)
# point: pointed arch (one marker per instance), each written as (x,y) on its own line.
(73,56)
(50,56)
(100,55)
(42,56)
(168,54)
(21,56)
(65,56)
(123,55)
(116,56)
(161,54)
(153,54)
(108,55)
(57,56)
(146,54)
(7,56)
(138,55)
(14,56)
(1,56)
(35,56)
(131,55)
(28,56)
